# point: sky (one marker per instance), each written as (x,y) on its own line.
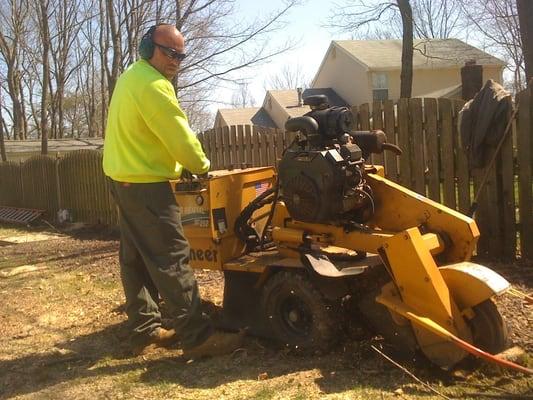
(305,27)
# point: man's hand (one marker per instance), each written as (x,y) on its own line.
(186,175)
(189,176)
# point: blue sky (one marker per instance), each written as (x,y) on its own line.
(305,28)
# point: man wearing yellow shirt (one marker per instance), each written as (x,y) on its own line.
(148,141)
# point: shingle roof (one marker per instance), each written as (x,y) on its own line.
(288,99)
(428,53)
(243,116)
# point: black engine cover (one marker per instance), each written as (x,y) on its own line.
(312,184)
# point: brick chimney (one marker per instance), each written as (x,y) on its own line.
(471,79)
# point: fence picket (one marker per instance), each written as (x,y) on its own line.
(507,196)
(240,145)
(256,157)
(524,145)
(232,144)
(391,160)
(417,143)
(432,148)
(446,152)
(377,123)
(404,143)
(364,123)
(248,141)
(462,170)
(355,115)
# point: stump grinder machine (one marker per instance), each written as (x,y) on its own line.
(327,238)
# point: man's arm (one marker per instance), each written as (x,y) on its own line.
(168,122)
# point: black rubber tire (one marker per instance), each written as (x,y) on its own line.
(298,313)
(489,330)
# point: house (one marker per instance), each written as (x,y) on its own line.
(243,116)
(278,106)
(361,71)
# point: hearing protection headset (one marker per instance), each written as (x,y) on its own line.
(147,46)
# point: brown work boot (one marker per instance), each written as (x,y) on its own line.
(219,343)
(160,337)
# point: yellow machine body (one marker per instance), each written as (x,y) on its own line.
(410,232)
(210,207)
(425,247)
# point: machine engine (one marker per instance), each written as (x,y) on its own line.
(322,173)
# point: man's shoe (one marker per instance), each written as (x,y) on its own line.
(160,337)
(219,343)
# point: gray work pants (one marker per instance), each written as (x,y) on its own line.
(154,257)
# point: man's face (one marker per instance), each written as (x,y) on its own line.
(168,42)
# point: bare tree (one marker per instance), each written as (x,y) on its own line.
(13,18)
(290,76)
(114,30)
(242,97)
(437,19)
(3,155)
(62,58)
(359,14)
(525,17)
(377,19)
(497,29)
(406,75)
(43,15)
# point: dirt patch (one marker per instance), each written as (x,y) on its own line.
(28,237)
(63,335)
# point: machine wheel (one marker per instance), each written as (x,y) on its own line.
(298,313)
(489,330)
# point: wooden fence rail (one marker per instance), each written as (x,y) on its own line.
(433,164)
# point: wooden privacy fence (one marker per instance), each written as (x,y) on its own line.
(244,145)
(432,164)
(83,190)
(75,182)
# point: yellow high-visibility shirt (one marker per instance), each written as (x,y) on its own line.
(148,138)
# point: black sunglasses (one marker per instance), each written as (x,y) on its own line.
(171,53)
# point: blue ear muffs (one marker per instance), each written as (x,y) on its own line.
(146,47)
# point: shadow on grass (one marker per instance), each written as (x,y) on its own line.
(103,353)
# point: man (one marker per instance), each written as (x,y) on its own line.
(148,141)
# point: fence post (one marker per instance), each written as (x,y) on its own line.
(524,156)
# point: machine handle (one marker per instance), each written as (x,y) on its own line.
(392,147)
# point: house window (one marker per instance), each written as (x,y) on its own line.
(380,86)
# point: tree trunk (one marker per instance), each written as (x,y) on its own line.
(14,93)
(117,51)
(103,63)
(406,76)
(525,16)
(2,125)
(45,36)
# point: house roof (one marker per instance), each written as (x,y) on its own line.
(452,92)
(243,116)
(288,99)
(428,53)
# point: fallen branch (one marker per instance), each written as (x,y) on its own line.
(409,373)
